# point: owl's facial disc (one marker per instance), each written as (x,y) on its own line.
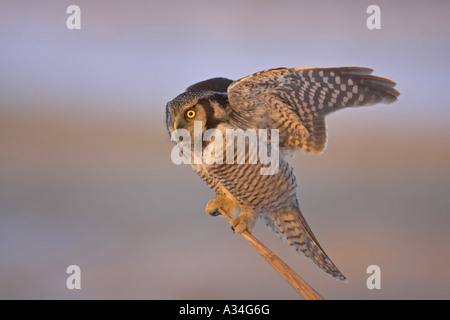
(185,116)
(189,107)
(189,114)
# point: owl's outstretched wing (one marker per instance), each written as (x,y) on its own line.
(296,101)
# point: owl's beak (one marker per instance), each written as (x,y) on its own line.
(175,125)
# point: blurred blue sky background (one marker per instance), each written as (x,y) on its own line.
(85,171)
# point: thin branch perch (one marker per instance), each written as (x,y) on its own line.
(279,265)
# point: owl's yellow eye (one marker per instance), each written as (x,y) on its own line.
(190,114)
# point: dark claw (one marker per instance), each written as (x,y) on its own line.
(214,213)
(232,228)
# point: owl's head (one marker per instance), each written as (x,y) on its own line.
(186,108)
(204,101)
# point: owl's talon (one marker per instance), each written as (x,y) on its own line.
(241,223)
(223,203)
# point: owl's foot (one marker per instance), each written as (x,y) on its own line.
(221,202)
(243,222)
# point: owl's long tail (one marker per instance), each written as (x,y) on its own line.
(290,224)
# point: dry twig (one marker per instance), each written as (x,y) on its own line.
(279,265)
